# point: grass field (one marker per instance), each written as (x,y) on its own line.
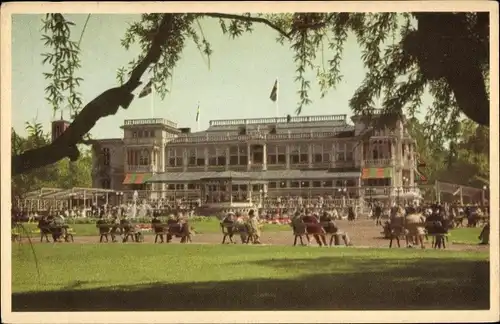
(211,225)
(93,277)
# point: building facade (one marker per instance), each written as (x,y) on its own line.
(306,156)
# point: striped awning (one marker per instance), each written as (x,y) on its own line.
(136,178)
(376,173)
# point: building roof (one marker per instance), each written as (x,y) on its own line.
(170,177)
(302,134)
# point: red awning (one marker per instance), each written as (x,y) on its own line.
(136,178)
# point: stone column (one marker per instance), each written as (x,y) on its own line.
(310,155)
(184,159)
(287,152)
(205,152)
(249,158)
(151,158)
(264,157)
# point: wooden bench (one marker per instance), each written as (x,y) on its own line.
(173,231)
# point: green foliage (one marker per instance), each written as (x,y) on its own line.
(404,54)
(394,74)
(64,59)
(466,162)
(63,174)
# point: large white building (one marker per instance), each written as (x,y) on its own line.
(306,155)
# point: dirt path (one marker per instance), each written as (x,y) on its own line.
(363,233)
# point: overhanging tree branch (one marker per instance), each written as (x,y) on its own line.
(104,105)
(248,18)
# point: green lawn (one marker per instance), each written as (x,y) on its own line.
(93,277)
(466,235)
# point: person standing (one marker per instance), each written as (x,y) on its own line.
(254,228)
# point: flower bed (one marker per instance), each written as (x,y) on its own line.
(277,221)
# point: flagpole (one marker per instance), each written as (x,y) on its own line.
(198,112)
(277,97)
(152,101)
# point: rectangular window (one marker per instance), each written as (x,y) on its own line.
(281,153)
(144,157)
(304,154)
(243,155)
(305,184)
(340,152)
(317,151)
(233,155)
(212,156)
(174,157)
(171,187)
(272,185)
(328,184)
(317,184)
(295,184)
(200,156)
(349,147)
(221,156)
(294,154)
(258,154)
(191,156)
(327,152)
(283,184)
(272,157)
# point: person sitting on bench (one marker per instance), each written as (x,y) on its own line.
(173,227)
(157,228)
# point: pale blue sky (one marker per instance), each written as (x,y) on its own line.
(237,85)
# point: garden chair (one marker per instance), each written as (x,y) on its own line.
(299,231)
(104,231)
(227,232)
(159,230)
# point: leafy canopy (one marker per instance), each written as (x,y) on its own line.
(405,54)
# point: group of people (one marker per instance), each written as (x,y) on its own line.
(246,225)
(55,226)
(416,222)
(304,222)
(318,224)
(177,225)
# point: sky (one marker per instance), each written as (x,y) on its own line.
(237,84)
